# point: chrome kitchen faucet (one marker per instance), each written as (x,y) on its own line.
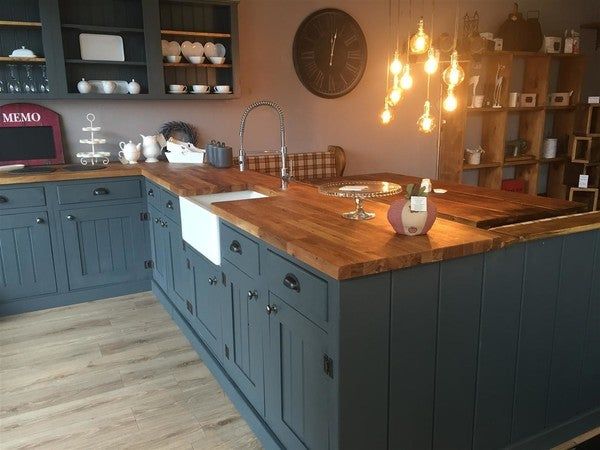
(285,173)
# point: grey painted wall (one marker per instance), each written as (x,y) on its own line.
(267,28)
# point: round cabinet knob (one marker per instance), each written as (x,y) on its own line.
(3,199)
(39,220)
(151,193)
(70,217)
(164,224)
(235,247)
(156,220)
(169,204)
(271,309)
(252,295)
(212,281)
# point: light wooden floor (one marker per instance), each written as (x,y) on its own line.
(114,373)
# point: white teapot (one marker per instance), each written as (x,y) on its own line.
(130,152)
(152,146)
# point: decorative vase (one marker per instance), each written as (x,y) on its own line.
(133,87)
(84,87)
(405,221)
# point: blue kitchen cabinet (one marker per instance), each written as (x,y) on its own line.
(208,293)
(245,322)
(104,245)
(299,374)
(26,263)
(179,283)
(159,246)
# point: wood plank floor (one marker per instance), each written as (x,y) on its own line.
(113,373)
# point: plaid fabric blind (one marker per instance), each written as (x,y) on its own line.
(303,166)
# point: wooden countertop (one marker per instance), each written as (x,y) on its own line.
(556,226)
(484,207)
(309,226)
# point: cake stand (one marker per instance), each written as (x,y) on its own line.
(359,191)
(94,157)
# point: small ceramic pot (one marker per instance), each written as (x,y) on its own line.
(84,87)
(409,223)
(133,87)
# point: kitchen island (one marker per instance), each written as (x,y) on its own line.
(329,333)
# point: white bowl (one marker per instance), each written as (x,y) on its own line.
(173,58)
(217,59)
(196,59)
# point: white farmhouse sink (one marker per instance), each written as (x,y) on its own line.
(200,227)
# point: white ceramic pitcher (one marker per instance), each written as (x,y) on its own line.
(152,148)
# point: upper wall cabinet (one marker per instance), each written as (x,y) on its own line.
(110,43)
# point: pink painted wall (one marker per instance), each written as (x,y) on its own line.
(267,28)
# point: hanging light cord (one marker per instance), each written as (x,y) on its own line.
(455,27)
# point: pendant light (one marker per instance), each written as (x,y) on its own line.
(406,82)
(386,115)
(395,94)
(450,102)
(396,65)
(432,62)
(454,73)
(426,122)
(420,41)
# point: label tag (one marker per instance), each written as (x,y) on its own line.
(583,181)
(418,204)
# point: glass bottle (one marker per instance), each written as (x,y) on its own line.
(14,85)
(29,86)
(44,86)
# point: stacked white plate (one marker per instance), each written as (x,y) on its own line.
(193,52)
(215,52)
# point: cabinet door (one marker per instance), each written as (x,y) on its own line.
(208,289)
(179,273)
(159,244)
(103,245)
(26,263)
(244,330)
(298,399)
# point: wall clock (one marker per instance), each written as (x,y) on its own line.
(330,53)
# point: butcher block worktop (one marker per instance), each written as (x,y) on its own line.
(309,226)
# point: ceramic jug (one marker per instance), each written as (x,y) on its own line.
(130,151)
(151,147)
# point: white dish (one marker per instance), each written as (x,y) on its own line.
(196,59)
(22,52)
(217,60)
(11,167)
(171,48)
(164,45)
(220,49)
(210,49)
(223,93)
(173,58)
(440,191)
(96,87)
(189,50)
(177,92)
(101,47)
(194,92)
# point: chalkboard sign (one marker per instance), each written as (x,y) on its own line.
(30,134)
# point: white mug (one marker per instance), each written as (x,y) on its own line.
(201,88)
(513,99)
(177,88)
(222,89)
(477,101)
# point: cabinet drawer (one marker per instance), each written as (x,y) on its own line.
(152,193)
(239,250)
(170,206)
(22,197)
(302,290)
(98,191)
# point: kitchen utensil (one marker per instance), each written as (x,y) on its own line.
(210,49)
(177,88)
(109,86)
(173,58)
(29,86)
(101,47)
(43,85)
(133,87)
(223,157)
(222,89)
(217,59)
(130,152)
(22,52)
(14,84)
(549,148)
(151,147)
(220,50)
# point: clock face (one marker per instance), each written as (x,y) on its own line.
(330,53)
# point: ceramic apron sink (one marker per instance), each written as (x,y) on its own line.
(200,227)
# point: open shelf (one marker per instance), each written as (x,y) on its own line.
(488,109)
(519,162)
(212,66)
(562,158)
(194,33)
(17,23)
(520,54)
(481,166)
(102,28)
(112,63)
(22,60)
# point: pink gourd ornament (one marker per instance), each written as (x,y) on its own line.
(409,223)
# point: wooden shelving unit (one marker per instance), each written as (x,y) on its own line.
(51,29)
(524,72)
